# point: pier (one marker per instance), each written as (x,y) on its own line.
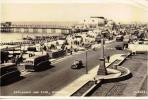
(9,27)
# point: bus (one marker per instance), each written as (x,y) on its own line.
(37,63)
(8,73)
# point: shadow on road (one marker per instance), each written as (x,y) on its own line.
(45,67)
(7,82)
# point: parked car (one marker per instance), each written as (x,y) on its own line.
(119,38)
(81,48)
(33,49)
(77,64)
(98,39)
(119,46)
(4,56)
(87,46)
(95,46)
(9,72)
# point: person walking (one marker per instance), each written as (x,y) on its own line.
(108,58)
(21,57)
(17,60)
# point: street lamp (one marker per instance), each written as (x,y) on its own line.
(102,69)
(86,67)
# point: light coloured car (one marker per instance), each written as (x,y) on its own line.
(77,64)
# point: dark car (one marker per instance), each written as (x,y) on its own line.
(77,64)
(31,49)
(119,46)
(98,39)
(119,38)
(4,56)
(9,73)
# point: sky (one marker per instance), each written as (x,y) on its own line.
(129,11)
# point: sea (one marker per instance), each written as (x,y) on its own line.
(15,37)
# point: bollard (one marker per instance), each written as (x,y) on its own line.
(115,66)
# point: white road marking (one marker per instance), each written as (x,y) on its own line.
(23,73)
(111,48)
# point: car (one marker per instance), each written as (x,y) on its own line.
(9,73)
(119,46)
(77,64)
(98,39)
(88,45)
(119,38)
(95,46)
(81,48)
(33,49)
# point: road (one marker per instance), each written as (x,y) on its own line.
(51,80)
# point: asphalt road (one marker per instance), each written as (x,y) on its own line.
(59,75)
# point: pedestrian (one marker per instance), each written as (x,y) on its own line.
(95,81)
(108,58)
(17,60)
(71,52)
(30,54)
(13,59)
(21,58)
(127,45)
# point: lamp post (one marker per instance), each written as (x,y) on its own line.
(86,67)
(102,69)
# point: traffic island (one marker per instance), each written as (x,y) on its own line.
(124,75)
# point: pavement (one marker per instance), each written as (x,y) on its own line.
(113,74)
(138,47)
(115,57)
